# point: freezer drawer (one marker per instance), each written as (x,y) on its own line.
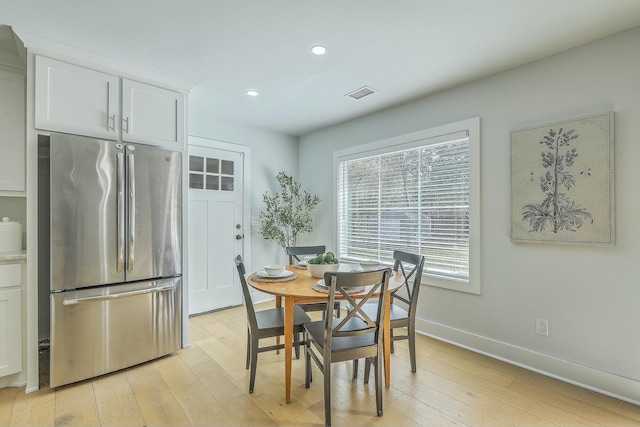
(100,330)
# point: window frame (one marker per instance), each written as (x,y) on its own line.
(408,141)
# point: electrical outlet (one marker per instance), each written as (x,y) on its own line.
(542,327)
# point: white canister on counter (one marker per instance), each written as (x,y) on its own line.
(10,235)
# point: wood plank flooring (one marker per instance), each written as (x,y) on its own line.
(207,385)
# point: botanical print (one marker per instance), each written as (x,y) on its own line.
(562,182)
(557,211)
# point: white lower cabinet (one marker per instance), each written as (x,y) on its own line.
(10,332)
(11,277)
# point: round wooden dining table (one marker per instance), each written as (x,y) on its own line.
(298,289)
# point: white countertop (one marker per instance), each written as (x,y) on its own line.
(10,256)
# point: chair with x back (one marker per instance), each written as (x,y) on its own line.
(357,335)
(411,266)
(265,324)
(295,252)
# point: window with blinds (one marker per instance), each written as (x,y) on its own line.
(413,197)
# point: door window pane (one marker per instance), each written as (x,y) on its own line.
(213,165)
(227,167)
(196,164)
(213,182)
(195,181)
(227,183)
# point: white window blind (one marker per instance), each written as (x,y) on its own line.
(413,199)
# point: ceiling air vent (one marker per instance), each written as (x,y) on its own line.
(362,92)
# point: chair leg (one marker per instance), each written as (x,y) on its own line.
(367,369)
(355,369)
(412,346)
(248,349)
(307,363)
(378,375)
(338,311)
(296,348)
(391,341)
(327,392)
(254,364)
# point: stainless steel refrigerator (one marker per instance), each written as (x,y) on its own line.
(111,251)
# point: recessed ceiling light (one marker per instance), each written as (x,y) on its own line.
(252,93)
(318,50)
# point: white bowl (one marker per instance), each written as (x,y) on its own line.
(274,270)
(318,270)
(369,265)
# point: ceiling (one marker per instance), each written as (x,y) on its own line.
(403,49)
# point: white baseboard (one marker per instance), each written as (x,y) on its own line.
(15,380)
(587,377)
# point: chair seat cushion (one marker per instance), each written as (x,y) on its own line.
(316,330)
(274,318)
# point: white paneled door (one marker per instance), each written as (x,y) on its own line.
(216,228)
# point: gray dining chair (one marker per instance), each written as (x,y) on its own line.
(410,266)
(357,335)
(266,324)
(295,252)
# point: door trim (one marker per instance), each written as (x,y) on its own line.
(246,192)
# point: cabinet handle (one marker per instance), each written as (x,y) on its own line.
(125,121)
(111,122)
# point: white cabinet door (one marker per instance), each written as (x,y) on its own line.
(152,115)
(10,332)
(12,140)
(76,100)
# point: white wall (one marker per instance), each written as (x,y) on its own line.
(590,295)
(271,153)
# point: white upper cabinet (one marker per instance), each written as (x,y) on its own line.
(152,115)
(77,100)
(12,126)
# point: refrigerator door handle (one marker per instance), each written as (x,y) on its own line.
(132,209)
(121,228)
(76,300)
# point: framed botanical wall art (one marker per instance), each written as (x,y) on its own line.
(562,182)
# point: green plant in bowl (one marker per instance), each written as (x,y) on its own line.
(320,264)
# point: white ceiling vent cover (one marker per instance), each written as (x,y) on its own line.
(362,92)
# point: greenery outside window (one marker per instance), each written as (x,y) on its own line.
(417,193)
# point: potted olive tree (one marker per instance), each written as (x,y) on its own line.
(287,213)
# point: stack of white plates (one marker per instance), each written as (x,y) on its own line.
(264,274)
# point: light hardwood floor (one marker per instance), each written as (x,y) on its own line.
(206,385)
